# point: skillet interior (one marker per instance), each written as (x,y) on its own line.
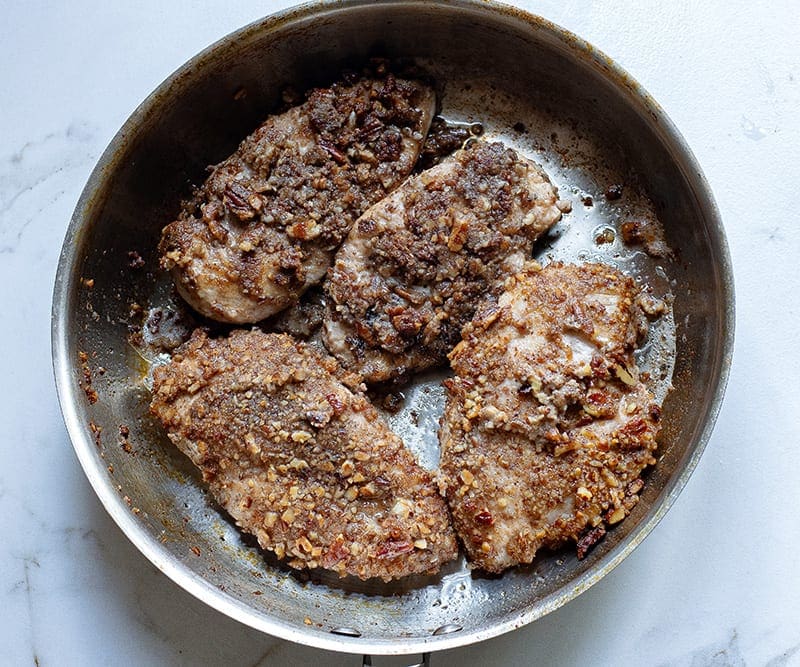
(585,121)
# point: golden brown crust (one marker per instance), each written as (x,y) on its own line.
(547,427)
(293,450)
(264,225)
(416,265)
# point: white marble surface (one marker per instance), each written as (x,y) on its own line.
(717,583)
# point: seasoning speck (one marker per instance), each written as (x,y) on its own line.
(135,260)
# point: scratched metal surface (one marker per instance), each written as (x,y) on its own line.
(544,92)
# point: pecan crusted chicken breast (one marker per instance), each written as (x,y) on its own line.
(547,426)
(415,266)
(296,454)
(265,224)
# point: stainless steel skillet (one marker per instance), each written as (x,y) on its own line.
(525,80)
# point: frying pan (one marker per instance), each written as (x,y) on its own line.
(605,143)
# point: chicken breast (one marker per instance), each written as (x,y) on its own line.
(265,224)
(415,266)
(547,426)
(296,454)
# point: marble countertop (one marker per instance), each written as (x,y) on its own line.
(716,583)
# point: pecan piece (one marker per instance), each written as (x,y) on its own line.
(334,152)
(589,540)
(236,198)
(394,548)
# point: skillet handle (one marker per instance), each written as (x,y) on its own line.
(426,661)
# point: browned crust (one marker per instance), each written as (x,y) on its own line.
(547,427)
(292,449)
(417,264)
(264,225)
